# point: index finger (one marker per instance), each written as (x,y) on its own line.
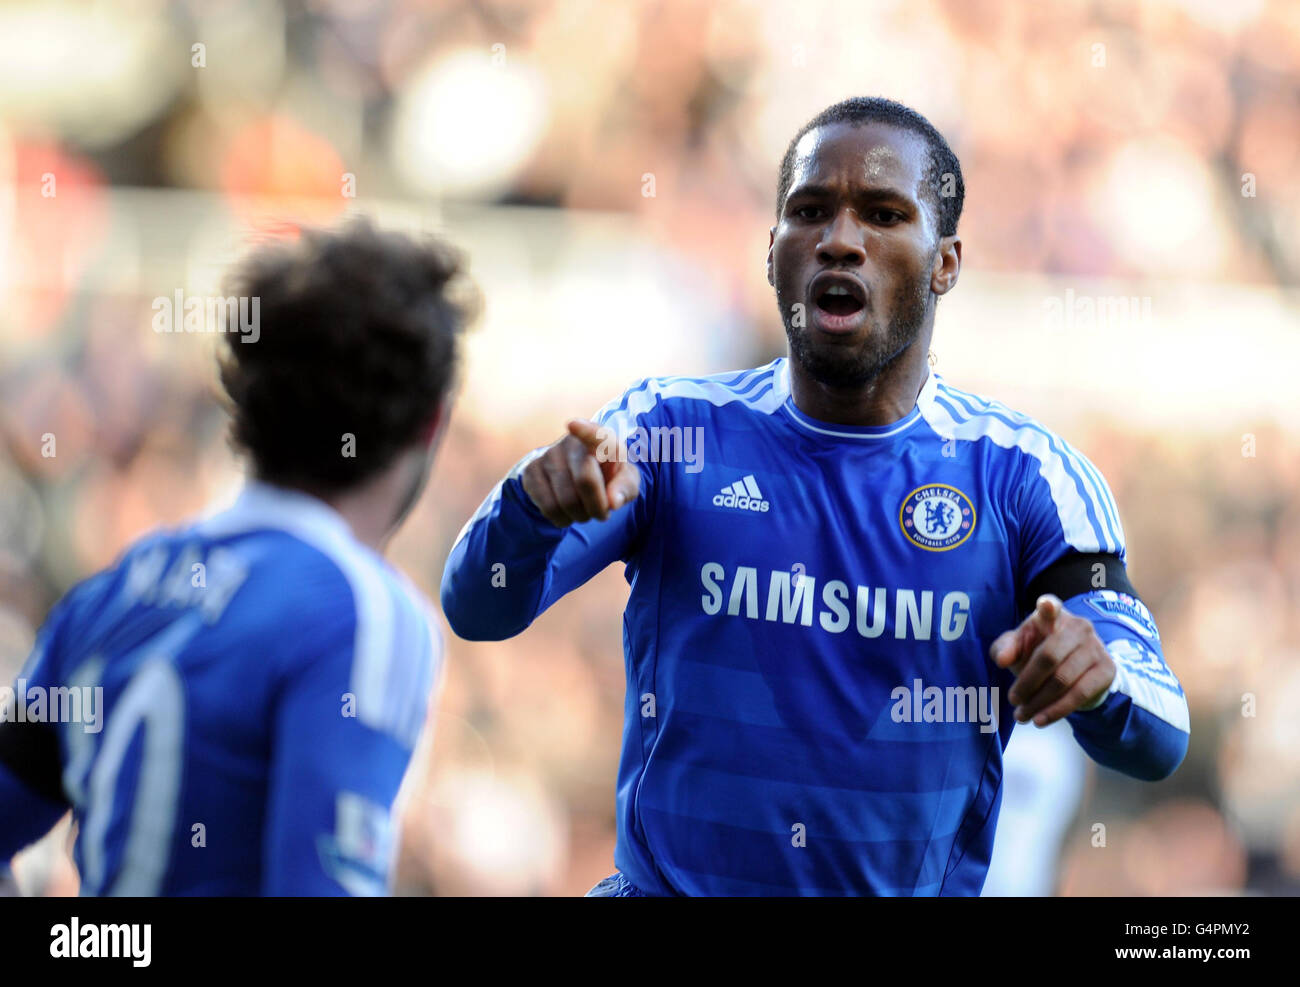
(588,480)
(1045,614)
(591,435)
(1012,647)
(622,480)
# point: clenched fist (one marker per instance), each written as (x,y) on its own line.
(577,479)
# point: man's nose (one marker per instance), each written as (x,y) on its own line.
(841,242)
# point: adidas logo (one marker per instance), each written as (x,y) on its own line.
(743,495)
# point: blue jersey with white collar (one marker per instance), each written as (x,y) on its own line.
(810,705)
(251,688)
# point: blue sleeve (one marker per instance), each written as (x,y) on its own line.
(510,563)
(335,772)
(1064,504)
(1142,726)
(25,816)
(30,773)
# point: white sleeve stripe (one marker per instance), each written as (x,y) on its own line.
(649,393)
(1079,531)
(1107,500)
(1133,679)
(1098,493)
(740,385)
(975,406)
(375,622)
(646,395)
(380,674)
(643,398)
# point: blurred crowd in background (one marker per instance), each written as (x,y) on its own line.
(611,170)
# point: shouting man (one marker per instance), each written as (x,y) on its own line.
(836,622)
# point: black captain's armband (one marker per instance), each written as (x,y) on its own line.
(30,750)
(1076,573)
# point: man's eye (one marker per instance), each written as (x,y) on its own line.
(886,217)
(803,212)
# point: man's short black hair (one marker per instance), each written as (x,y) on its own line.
(359,332)
(944,193)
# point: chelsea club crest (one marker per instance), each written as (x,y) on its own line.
(937,517)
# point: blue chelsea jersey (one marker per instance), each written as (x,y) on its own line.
(802,594)
(261,679)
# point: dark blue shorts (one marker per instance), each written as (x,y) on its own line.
(616,886)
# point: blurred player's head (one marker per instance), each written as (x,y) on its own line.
(865,240)
(346,388)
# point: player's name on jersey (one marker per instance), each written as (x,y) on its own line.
(792,597)
(208,313)
(204,579)
(656,444)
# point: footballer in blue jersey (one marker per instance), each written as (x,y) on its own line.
(231,707)
(849,578)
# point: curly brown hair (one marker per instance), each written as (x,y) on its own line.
(358,336)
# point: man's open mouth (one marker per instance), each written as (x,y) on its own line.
(839,300)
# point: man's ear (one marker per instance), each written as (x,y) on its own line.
(947,265)
(771,241)
(436,425)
